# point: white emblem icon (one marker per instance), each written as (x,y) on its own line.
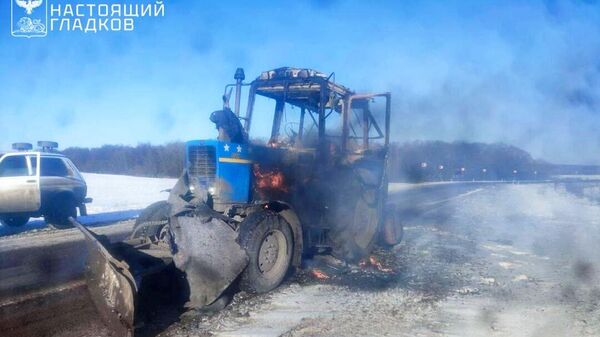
(226,147)
(29,18)
(239,148)
(29,5)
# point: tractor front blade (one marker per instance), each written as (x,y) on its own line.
(111,285)
(209,255)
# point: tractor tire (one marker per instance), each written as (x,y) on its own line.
(267,238)
(392,230)
(14,220)
(62,208)
(152,222)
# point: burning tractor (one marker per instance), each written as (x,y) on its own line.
(246,213)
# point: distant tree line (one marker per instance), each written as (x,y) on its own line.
(411,161)
(442,161)
(564,169)
(141,160)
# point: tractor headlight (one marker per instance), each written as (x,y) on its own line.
(211,190)
(194,185)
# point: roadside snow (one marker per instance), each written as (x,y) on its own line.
(119,193)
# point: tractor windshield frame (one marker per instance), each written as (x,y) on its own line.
(318,97)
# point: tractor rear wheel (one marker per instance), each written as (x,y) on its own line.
(267,239)
(152,222)
(392,230)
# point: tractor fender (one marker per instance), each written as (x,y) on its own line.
(287,212)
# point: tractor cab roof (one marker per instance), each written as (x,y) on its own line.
(301,87)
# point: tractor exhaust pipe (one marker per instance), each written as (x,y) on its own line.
(239,78)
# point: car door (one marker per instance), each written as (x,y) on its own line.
(19,183)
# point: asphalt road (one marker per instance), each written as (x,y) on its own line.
(92,220)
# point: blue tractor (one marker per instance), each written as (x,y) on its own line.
(245,213)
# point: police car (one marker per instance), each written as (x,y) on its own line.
(40,183)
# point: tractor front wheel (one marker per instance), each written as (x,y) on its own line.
(152,222)
(267,239)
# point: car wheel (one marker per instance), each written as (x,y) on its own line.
(14,220)
(62,209)
(152,222)
(267,239)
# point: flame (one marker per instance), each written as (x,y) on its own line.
(372,261)
(270,179)
(319,274)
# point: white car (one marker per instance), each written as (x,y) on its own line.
(40,183)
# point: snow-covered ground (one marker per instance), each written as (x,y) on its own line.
(119,193)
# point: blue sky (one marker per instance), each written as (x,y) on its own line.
(522,72)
